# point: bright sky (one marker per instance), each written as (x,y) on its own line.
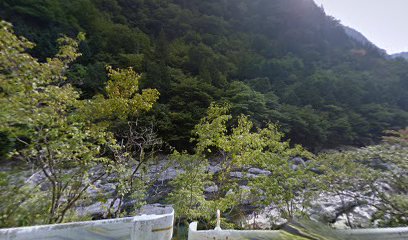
(383,22)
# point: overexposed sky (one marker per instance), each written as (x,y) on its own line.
(383,22)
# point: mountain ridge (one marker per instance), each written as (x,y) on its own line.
(358,36)
(400,55)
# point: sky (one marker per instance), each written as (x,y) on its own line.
(383,22)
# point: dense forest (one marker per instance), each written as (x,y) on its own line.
(280,61)
(245,106)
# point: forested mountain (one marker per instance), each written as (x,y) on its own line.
(282,61)
(400,55)
(90,114)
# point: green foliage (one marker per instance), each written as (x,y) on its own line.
(59,135)
(39,114)
(123,100)
(188,199)
(22,203)
(281,61)
(238,149)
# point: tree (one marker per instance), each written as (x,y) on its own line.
(137,147)
(188,195)
(238,149)
(63,137)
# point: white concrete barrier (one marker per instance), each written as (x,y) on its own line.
(360,234)
(194,234)
(399,233)
(156,225)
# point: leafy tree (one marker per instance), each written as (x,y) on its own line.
(138,147)
(188,195)
(60,135)
(22,204)
(238,149)
(246,101)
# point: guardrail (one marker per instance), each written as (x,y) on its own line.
(307,230)
(194,234)
(377,233)
(361,234)
(157,225)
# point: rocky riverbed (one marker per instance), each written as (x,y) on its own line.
(342,210)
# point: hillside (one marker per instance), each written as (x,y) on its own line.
(400,55)
(113,105)
(359,37)
(280,61)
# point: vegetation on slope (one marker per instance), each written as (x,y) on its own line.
(281,61)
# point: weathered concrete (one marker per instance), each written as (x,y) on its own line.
(156,225)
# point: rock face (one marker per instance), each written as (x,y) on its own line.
(268,218)
(342,210)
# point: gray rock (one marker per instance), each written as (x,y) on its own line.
(265,219)
(155,208)
(108,188)
(360,217)
(97,209)
(339,211)
(214,169)
(258,171)
(296,162)
(211,189)
(241,175)
(237,175)
(169,174)
(384,186)
(101,188)
(250,175)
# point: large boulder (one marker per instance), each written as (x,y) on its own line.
(344,209)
